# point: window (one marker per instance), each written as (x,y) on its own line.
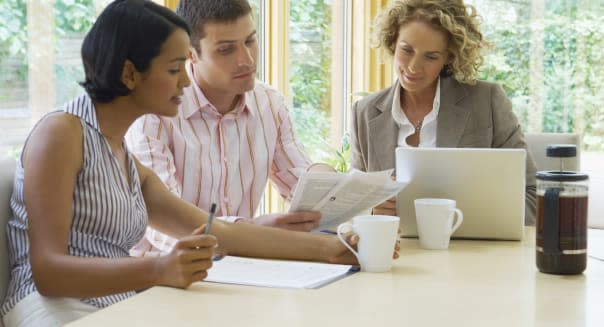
(40,64)
(318,75)
(308,59)
(547,55)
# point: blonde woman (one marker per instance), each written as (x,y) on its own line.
(436,100)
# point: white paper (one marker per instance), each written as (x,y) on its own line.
(312,187)
(274,273)
(595,243)
(339,196)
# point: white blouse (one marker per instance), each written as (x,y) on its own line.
(427,133)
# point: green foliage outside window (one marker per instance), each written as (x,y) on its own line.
(13,35)
(573,76)
(572,63)
(310,79)
(72,18)
(572,67)
(13,46)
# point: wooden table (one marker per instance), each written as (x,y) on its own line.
(474,283)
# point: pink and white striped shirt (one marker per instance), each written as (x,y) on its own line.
(204,156)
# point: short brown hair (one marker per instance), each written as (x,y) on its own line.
(199,12)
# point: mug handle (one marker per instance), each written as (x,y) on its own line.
(458,220)
(339,232)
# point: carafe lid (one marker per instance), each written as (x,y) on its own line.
(561,176)
(561,150)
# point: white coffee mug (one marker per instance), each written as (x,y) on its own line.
(377,236)
(435,223)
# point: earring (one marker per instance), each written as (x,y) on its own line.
(446,71)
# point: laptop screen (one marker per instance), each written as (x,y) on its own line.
(488,185)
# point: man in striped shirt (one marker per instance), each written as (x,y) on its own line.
(232,133)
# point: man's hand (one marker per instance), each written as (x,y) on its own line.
(387,207)
(304,221)
(319,166)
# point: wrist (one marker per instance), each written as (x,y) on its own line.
(243,220)
(155,275)
(320,166)
(326,248)
(234,219)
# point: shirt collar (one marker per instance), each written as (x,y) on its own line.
(397,111)
(199,102)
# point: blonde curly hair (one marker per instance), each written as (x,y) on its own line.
(458,20)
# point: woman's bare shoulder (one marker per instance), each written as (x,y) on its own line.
(56,136)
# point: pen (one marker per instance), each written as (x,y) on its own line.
(210,218)
(327,231)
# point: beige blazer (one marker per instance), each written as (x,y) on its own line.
(478,116)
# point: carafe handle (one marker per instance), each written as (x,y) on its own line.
(551,221)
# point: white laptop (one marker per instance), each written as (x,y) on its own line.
(488,185)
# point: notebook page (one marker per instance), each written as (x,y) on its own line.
(274,273)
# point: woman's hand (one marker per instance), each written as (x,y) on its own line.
(336,252)
(387,207)
(188,261)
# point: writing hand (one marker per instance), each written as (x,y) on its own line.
(188,261)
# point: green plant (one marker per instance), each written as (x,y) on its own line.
(340,159)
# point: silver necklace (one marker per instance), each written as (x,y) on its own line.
(418,125)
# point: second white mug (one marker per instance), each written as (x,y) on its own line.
(435,223)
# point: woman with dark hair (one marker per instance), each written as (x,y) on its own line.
(81,200)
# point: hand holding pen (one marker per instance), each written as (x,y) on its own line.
(209,226)
(190,258)
(210,218)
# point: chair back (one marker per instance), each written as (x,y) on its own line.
(538,142)
(7,172)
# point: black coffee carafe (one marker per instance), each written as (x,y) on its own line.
(561,226)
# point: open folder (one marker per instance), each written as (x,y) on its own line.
(275,273)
